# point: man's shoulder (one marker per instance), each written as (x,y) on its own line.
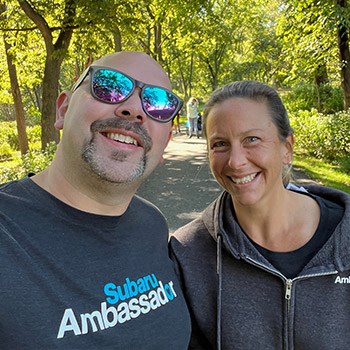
(143,207)
(11,187)
(142,202)
(16,188)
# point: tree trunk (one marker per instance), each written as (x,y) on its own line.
(117,37)
(183,80)
(158,43)
(55,52)
(50,92)
(321,77)
(17,98)
(344,54)
(190,77)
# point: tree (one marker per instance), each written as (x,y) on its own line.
(316,36)
(343,26)
(19,110)
(56,49)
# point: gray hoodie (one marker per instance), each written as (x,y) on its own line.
(238,300)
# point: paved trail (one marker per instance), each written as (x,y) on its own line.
(182,186)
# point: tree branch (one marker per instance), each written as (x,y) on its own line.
(63,39)
(39,21)
(36,27)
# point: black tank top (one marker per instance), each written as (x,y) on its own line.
(291,263)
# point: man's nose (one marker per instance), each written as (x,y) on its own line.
(131,108)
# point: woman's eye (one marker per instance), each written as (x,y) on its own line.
(218,144)
(252,139)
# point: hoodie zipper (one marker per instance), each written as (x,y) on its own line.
(288,293)
(288,284)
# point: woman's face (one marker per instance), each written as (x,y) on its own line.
(245,152)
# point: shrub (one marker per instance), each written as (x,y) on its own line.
(304,97)
(332,99)
(37,160)
(323,136)
(5,151)
(10,174)
(33,116)
(8,139)
(301,97)
(34,137)
(32,162)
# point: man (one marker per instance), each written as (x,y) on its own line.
(83,261)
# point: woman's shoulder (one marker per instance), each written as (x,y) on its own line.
(190,232)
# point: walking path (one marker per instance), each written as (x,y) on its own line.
(182,186)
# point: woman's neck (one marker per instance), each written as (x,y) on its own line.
(285,223)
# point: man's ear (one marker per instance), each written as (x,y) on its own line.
(62,104)
(169,138)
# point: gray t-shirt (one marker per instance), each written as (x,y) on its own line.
(75,280)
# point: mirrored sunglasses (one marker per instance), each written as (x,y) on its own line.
(111,86)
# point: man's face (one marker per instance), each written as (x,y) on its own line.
(118,143)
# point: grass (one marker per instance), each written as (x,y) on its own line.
(325,173)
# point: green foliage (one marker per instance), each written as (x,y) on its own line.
(7,112)
(5,151)
(332,99)
(202,45)
(8,137)
(301,97)
(34,137)
(308,31)
(38,160)
(304,97)
(323,136)
(33,116)
(325,173)
(33,162)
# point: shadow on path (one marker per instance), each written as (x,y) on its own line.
(182,186)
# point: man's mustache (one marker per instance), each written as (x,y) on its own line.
(122,123)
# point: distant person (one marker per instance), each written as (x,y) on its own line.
(177,124)
(84,261)
(267,265)
(192,116)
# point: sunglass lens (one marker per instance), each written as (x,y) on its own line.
(159,103)
(110,86)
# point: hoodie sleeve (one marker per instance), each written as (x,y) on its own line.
(193,251)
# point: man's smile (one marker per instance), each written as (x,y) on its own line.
(121,138)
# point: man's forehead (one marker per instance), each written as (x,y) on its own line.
(138,65)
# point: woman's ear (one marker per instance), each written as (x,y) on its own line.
(288,155)
(62,104)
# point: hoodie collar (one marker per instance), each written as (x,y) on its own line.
(336,251)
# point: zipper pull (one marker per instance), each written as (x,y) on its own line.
(288,289)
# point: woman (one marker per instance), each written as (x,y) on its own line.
(265,267)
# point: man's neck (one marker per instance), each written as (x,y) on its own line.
(90,196)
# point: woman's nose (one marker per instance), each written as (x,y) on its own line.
(237,157)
